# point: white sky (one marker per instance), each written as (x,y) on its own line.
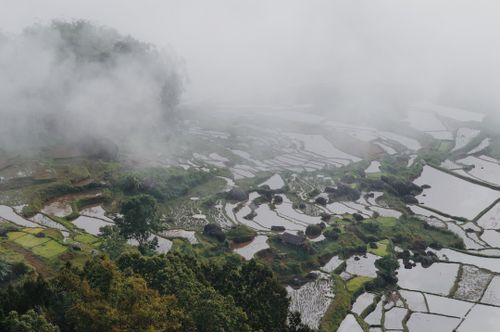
(234,49)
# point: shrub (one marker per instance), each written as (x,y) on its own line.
(331,234)
(358,217)
(241,234)
(321,200)
(313,230)
(213,230)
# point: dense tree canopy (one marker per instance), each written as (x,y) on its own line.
(98,298)
(176,292)
(31,321)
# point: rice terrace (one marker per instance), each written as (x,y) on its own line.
(280,166)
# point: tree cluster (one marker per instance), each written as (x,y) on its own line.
(175,292)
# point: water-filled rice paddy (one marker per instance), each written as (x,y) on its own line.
(249,250)
(453,195)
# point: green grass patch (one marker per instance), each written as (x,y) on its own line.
(30,241)
(207,247)
(288,260)
(170,183)
(374,176)
(86,238)
(241,234)
(387,221)
(213,185)
(382,248)
(33,230)
(410,229)
(346,240)
(14,235)
(49,249)
(10,256)
(406,230)
(339,307)
(71,171)
(53,233)
(357,283)
(444,146)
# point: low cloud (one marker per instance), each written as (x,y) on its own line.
(71,80)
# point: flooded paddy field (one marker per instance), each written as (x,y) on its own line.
(472,284)
(319,195)
(349,324)
(485,143)
(449,296)
(439,278)
(96,212)
(373,168)
(430,311)
(428,322)
(190,236)
(47,222)
(8,213)
(482,168)
(443,304)
(62,206)
(289,150)
(90,225)
(362,266)
(429,123)
(452,195)
(249,250)
(312,299)
(464,136)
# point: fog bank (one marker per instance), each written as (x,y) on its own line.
(355,54)
(66,81)
(342,57)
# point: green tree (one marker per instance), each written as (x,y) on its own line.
(102,298)
(113,243)
(5,270)
(140,220)
(31,321)
(387,267)
(183,277)
(28,294)
(130,184)
(255,290)
(99,297)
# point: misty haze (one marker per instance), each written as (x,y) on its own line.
(289,166)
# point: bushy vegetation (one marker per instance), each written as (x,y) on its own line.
(356,284)
(163,184)
(200,287)
(162,293)
(140,219)
(31,321)
(240,234)
(313,230)
(387,267)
